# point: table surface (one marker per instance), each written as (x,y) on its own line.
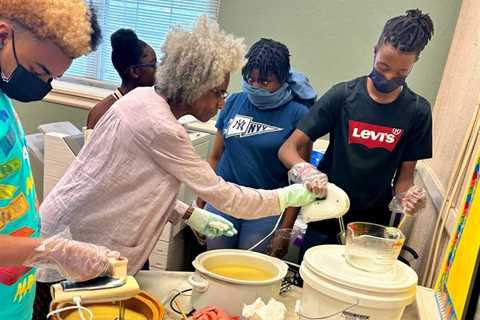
(165,284)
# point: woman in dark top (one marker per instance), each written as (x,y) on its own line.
(135,62)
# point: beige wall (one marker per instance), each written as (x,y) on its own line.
(332,40)
(456,103)
(36,113)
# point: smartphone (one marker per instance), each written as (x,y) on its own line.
(99,283)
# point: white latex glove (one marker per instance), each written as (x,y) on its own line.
(415,199)
(314,180)
(210,225)
(410,202)
(77,261)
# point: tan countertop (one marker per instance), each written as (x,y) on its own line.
(164,284)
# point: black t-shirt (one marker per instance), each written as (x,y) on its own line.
(368,142)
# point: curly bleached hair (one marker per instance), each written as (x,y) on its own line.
(70,24)
(197,61)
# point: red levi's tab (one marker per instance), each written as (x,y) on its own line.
(373,136)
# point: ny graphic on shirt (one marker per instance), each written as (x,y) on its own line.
(373,136)
(244,126)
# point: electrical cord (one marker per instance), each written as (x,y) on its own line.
(179,293)
(77,301)
(77,306)
(340,222)
(268,235)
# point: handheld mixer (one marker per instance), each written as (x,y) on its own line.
(116,288)
(334,205)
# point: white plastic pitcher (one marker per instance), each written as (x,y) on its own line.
(333,289)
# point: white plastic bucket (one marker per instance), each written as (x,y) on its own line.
(333,289)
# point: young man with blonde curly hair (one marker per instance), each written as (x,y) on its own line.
(38,41)
(121,190)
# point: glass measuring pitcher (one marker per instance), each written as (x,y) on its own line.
(372,247)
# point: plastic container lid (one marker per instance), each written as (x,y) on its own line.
(328,261)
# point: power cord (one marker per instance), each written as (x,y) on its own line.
(269,235)
(179,293)
(77,306)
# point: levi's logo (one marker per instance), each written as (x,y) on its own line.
(373,136)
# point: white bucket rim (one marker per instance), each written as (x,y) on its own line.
(411,278)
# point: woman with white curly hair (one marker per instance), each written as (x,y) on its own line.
(121,190)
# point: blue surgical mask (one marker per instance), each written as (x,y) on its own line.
(22,85)
(383,84)
(264,99)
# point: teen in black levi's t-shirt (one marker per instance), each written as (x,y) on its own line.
(378,129)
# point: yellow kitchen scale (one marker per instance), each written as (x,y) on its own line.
(116,297)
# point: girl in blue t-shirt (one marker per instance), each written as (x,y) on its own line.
(251,128)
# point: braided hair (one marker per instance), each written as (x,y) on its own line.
(127,51)
(408,33)
(268,56)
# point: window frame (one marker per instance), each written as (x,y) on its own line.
(84,92)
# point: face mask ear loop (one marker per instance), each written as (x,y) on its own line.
(5,78)
(14,50)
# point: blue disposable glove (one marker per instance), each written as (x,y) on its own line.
(210,225)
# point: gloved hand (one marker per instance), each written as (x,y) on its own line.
(210,225)
(295,195)
(410,202)
(212,313)
(314,180)
(414,199)
(77,261)
(279,245)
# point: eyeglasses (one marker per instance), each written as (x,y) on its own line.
(143,65)
(220,94)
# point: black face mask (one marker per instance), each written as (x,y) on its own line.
(384,85)
(22,85)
